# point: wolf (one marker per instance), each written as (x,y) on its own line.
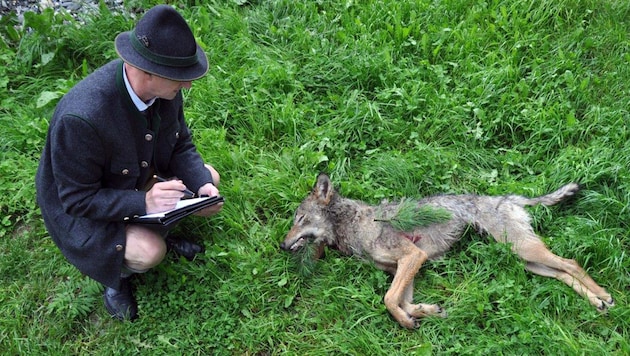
(325,218)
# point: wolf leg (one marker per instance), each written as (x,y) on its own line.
(543,262)
(407,267)
(602,303)
(420,310)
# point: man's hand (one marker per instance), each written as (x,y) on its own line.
(208,189)
(164,196)
(211,190)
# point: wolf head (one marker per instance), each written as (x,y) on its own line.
(311,223)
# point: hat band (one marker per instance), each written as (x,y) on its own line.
(158,58)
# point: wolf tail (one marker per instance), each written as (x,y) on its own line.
(548,199)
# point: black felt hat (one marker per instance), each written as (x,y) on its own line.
(163,44)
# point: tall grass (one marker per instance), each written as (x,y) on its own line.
(392,99)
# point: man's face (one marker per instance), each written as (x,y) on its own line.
(166,88)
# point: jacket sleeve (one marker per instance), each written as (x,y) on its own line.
(186,162)
(79,165)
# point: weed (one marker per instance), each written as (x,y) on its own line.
(393,99)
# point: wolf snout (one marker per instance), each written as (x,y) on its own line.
(292,244)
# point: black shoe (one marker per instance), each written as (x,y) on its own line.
(121,304)
(183,247)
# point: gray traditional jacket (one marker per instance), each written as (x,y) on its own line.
(98,155)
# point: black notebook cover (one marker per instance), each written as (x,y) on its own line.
(184,208)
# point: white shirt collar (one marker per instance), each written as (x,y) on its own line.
(141,105)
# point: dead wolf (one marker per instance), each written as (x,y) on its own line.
(325,218)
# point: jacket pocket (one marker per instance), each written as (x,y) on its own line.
(122,175)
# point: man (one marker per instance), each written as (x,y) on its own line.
(108,137)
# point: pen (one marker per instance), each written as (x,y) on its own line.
(186,191)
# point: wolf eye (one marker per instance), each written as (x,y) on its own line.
(300,218)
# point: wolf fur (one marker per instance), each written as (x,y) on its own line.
(325,218)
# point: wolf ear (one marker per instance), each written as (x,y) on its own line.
(323,189)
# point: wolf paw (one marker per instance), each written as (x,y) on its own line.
(441,313)
(605,304)
(423,310)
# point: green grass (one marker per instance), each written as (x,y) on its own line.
(392,99)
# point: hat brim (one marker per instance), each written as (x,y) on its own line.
(180,74)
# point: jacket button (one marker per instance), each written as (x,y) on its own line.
(148,137)
(119,248)
(125,172)
(144,164)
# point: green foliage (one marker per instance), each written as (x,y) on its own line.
(304,259)
(408,215)
(393,99)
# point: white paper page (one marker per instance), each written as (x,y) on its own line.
(180,204)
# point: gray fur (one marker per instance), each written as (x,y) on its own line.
(325,218)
